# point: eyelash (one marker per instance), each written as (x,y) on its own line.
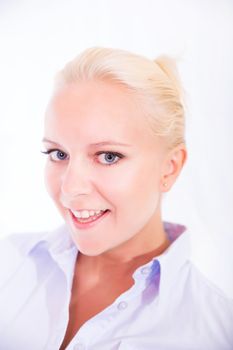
(119,155)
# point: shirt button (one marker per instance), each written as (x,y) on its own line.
(122,305)
(79,346)
(145,270)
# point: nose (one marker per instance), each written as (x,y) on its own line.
(76,180)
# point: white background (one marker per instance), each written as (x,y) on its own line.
(38,37)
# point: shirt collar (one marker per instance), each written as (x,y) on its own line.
(60,244)
(163,269)
(174,257)
(57,240)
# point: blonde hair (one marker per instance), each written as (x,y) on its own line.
(155,81)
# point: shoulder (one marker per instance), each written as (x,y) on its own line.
(193,291)
(20,242)
(199,306)
(17,246)
(200,282)
(14,248)
(204,302)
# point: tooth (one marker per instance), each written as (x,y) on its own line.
(85,214)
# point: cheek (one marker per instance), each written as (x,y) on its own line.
(141,202)
(52,182)
(133,190)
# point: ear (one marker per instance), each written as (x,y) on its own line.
(172,166)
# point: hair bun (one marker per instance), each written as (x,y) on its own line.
(169,66)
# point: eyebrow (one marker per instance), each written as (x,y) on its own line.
(94,144)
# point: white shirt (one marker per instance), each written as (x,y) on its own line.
(171,306)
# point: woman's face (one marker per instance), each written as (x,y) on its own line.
(84,173)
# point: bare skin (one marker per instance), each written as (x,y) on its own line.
(88,282)
(79,118)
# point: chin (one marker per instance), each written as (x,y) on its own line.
(89,248)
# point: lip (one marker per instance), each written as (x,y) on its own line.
(86,225)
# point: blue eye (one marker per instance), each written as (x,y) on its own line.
(109,156)
(57,155)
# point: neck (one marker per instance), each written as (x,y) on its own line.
(139,250)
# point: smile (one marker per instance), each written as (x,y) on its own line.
(83,223)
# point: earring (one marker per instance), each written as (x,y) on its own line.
(165,184)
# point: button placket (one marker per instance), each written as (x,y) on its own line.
(145,270)
(122,305)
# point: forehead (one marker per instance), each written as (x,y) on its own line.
(96,110)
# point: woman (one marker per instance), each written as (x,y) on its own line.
(114,276)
